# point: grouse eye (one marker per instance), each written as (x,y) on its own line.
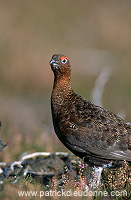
(64,60)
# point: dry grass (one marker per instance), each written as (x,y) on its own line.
(113,182)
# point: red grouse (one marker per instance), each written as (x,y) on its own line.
(89,131)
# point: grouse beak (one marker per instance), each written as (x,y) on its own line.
(54,64)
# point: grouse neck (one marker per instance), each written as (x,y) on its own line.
(61,90)
(62,83)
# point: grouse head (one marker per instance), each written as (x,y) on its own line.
(60,66)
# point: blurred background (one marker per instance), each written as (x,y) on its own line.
(95,35)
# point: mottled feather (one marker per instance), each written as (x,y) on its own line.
(89,131)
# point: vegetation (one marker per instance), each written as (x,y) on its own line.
(93,34)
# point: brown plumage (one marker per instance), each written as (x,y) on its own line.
(89,131)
